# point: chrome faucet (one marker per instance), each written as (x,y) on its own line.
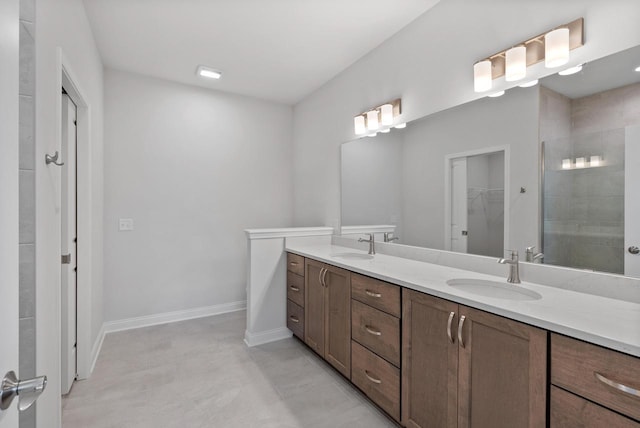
(371,241)
(532,256)
(388,237)
(514,268)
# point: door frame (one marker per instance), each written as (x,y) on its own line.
(447,189)
(67,79)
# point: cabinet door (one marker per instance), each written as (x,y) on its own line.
(502,373)
(429,362)
(338,319)
(314,306)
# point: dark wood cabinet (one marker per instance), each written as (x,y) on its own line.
(295,294)
(328,313)
(466,368)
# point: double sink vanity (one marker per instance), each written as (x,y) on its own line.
(436,346)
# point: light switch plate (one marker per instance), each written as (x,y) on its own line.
(126,224)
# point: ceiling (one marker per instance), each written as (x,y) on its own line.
(279,50)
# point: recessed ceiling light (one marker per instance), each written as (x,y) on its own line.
(496,94)
(529,84)
(638,69)
(209,73)
(570,71)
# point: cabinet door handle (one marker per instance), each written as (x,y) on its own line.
(294,288)
(294,319)
(371,331)
(460,324)
(372,294)
(371,378)
(451,315)
(324,277)
(620,387)
(320,277)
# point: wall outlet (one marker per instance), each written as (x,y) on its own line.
(126,224)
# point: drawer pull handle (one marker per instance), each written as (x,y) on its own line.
(324,277)
(451,315)
(620,387)
(294,319)
(460,324)
(320,277)
(293,263)
(371,331)
(372,379)
(294,288)
(373,294)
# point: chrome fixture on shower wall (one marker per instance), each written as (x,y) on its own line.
(552,46)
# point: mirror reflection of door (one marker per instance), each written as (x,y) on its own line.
(477,204)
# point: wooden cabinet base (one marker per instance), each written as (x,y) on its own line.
(571,411)
(377,378)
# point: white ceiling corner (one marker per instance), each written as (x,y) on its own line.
(279,50)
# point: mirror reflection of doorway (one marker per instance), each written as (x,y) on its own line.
(477,197)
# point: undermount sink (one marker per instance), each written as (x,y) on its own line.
(352,256)
(498,290)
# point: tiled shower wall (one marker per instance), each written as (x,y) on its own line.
(27,226)
(584,208)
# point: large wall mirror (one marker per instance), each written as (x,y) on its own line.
(553,166)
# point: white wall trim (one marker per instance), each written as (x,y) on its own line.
(288,232)
(95,351)
(167,317)
(373,228)
(255,339)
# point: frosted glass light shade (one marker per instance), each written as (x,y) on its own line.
(372,120)
(482,79)
(556,48)
(566,163)
(516,64)
(580,162)
(358,124)
(386,115)
(595,161)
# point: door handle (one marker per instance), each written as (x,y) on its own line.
(27,390)
(66,259)
(451,315)
(460,325)
(324,277)
(634,250)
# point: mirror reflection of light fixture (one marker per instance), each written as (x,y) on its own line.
(552,47)
(529,84)
(595,161)
(566,163)
(637,69)
(580,162)
(358,124)
(515,64)
(556,48)
(572,70)
(380,118)
(482,79)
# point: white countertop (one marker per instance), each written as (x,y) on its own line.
(607,322)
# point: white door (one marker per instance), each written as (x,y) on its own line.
(9,199)
(68,228)
(459,205)
(632,201)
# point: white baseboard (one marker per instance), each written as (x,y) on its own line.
(262,337)
(167,317)
(97,347)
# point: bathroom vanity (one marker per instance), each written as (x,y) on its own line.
(430,353)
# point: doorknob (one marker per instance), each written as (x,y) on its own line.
(634,250)
(27,390)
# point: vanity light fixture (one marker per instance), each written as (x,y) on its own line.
(572,70)
(359,125)
(566,163)
(595,161)
(208,73)
(516,64)
(580,162)
(637,69)
(552,47)
(496,94)
(529,84)
(380,118)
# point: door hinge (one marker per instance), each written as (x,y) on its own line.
(66,259)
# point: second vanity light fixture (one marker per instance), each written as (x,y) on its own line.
(553,47)
(379,119)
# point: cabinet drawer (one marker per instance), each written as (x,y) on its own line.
(376,330)
(295,319)
(570,411)
(295,264)
(295,288)
(596,373)
(378,379)
(379,294)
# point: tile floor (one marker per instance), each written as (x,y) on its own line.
(199,373)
